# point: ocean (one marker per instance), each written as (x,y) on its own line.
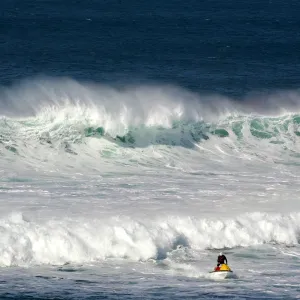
(140,139)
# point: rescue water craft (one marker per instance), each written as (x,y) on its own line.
(222,272)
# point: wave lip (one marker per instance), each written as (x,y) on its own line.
(26,242)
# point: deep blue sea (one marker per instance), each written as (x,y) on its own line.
(140,138)
(232,47)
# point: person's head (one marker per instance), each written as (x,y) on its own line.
(221,253)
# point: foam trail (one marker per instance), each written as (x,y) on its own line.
(25,242)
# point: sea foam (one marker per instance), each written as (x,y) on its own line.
(26,242)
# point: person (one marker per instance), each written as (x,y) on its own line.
(221,259)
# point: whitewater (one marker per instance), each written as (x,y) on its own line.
(104,185)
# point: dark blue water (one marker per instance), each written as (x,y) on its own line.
(228,47)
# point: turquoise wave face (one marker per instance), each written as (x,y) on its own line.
(274,129)
(277,130)
(180,133)
(242,131)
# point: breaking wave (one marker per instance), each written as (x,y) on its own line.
(24,242)
(64,114)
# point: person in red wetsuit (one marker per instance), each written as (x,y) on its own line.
(221,259)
